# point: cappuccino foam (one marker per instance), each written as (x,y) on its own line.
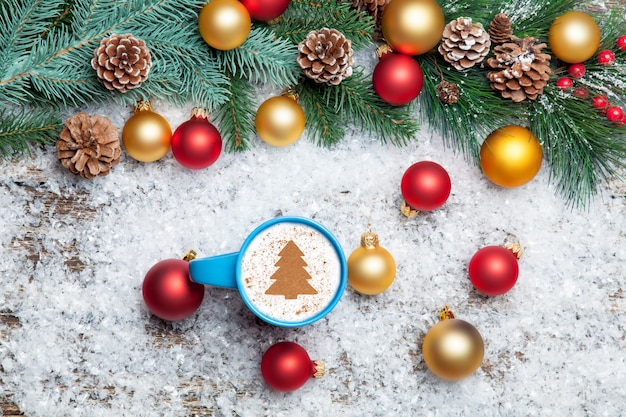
(258,265)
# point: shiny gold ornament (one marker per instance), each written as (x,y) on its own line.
(453,349)
(510,156)
(224,24)
(574,37)
(280,120)
(146,135)
(371,268)
(413,27)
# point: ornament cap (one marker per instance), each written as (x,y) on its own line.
(445,314)
(516,248)
(319,369)
(369,240)
(292,94)
(143,105)
(383,50)
(190,256)
(199,112)
(408,211)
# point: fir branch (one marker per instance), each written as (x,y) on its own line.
(23,126)
(303,16)
(581,146)
(262,58)
(323,122)
(235,117)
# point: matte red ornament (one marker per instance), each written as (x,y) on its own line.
(621,42)
(576,70)
(264,10)
(564,83)
(196,143)
(425,186)
(286,366)
(614,114)
(600,102)
(169,292)
(493,270)
(606,57)
(397,79)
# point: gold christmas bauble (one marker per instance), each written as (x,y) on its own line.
(146,135)
(279,121)
(510,156)
(224,24)
(453,349)
(574,37)
(413,27)
(371,268)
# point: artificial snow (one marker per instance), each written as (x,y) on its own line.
(87,346)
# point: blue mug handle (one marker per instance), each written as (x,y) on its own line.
(218,271)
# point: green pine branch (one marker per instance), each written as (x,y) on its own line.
(22,126)
(303,16)
(324,125)
(235,117)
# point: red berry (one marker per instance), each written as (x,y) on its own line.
(600,102)
(576,70)
(621,42)
(581,92)
(614,114)
(606,57)
(564,83)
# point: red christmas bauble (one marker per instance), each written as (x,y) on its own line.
(425,186)
(614,114)
(169,292)
(576,70)
(621,42)
(196,143)
(606,57)
(286,366)
(265,10)
(397,79)
(564,83)
(493,270)
(600,102)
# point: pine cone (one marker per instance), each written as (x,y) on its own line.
(500,29)
(447,92)
(122,62)
(326,56)
(522,69)
(374,8)
(464,43)
(89,145)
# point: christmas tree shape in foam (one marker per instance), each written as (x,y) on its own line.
(291,277)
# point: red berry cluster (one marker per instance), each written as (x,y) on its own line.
(566,83)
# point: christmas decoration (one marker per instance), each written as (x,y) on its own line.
(574,37)
(453,349)
(522,69)
(397,78)
(464,43)
(280,120)
(371,268)
(146,135)
(286,366)
(425,186)
(600,102)
(265,10)
(224,24)
(326,56)
(493,270)
(510,156)
(614,114)
(413,27)
(500,30)
(447,92)
(606,57)
(196,143)
(565,83)
(621,42)
(122,62)
(168,290)
(581,92)
(89,145)
(576,70)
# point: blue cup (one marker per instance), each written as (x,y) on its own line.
(290,271)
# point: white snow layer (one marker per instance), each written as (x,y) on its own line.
(87,345)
